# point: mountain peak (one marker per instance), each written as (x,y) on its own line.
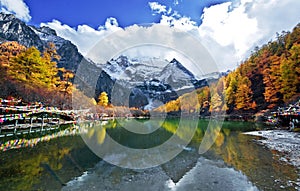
(13,29)
(47,30)
(174,60)
(176,64)
(7,17)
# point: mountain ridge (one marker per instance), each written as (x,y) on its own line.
(143,83)
(13,29)
(155,78)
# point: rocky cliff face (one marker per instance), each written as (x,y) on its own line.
(70,57)
(13,29)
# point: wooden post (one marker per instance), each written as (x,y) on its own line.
(16,124)
(51,120)
(31,121)
(42,122)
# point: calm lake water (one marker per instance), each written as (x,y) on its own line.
(65,160)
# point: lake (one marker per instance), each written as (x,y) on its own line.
(94,157)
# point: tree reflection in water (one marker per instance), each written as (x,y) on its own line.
(69,157)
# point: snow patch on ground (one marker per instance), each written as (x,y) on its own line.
(288,143)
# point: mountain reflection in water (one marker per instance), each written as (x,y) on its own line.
(234,162)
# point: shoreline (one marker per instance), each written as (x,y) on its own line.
(285,142)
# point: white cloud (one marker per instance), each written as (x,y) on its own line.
(230,31)
(111,24)
(84,37)
(156,41)
(274,16)
(230,28)
(17,7)
(211,34)
(158,8)
(182,23)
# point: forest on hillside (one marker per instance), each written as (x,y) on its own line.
(33,76)
(270,77)
(267,79)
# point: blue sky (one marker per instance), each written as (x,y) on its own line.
(95,12)
(229,30)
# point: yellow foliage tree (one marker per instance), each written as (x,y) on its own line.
(244,95)
(33,69)
(103,99)
(216,102)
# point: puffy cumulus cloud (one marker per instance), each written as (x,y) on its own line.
(273,16)
(230,31)
(111,24)
(88,40)
(225,31)
(157,41)
(17,7)
(227,28)
(84,36)
(157,8)
(176,21)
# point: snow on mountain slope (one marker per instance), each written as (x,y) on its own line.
(134,70)
(137,71)
(159,80)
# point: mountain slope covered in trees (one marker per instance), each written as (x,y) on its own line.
(270,77)
(32,75)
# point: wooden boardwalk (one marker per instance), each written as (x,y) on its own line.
(26,119)
(21,129)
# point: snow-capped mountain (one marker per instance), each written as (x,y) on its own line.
(153,78)
(177,75)
(133,70)
(142,81)
(13,29)
(153,71)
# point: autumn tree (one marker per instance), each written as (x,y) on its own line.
(31,68)
(50,58)
(216,102)
(103,99)
(8,50)
(272,80)
(203,95)
(293,37)
(65,84)
(31,75)
(189,102)
(290,71)
(244,95)
(231,85)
